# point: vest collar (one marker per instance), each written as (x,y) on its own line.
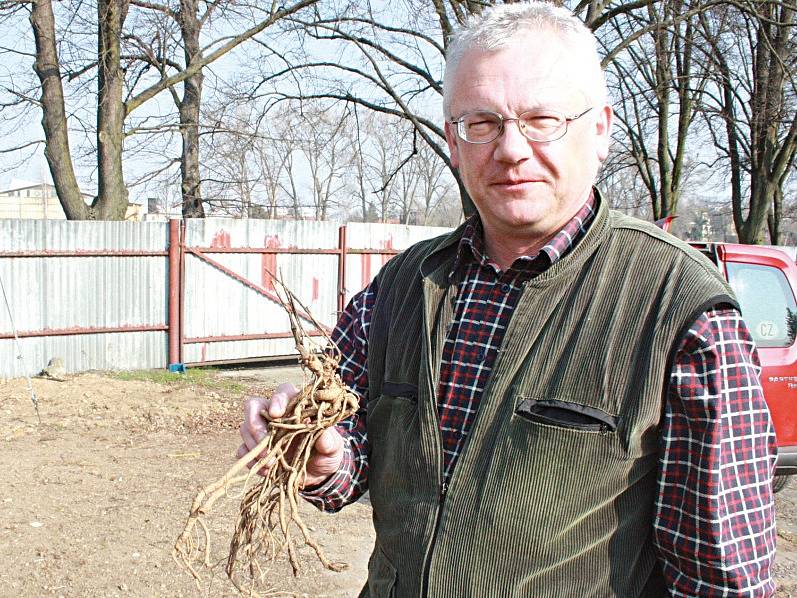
(437,265)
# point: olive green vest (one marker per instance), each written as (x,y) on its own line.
(553,493)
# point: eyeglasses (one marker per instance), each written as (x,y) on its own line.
(484,126)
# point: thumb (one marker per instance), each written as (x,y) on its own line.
(329,443)
(280,399)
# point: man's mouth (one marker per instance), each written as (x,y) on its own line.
(515,182)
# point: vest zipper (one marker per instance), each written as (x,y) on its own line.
(428,559)
(427,565)
(434,358)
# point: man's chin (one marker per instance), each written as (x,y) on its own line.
(525,222)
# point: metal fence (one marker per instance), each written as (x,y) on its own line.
(130,295)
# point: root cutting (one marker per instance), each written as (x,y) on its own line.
(269,519)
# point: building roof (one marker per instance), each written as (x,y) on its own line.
(22,184)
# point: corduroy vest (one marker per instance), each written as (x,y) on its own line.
(553,492)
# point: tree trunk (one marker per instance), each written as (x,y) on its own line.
(684,84)
(767,110)
(56,133)
(663,64)
(111,202)
(189,113)
(752,229)
(774,217)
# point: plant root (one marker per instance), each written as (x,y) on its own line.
(269,489)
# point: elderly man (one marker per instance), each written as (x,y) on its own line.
(557,400)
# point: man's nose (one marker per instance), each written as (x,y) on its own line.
(512,146)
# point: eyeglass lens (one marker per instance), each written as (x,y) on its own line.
(484,126)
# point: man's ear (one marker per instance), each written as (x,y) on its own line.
(603,131)
(451,139)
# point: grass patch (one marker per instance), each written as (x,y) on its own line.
(196,377)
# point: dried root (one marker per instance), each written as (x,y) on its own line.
(269,510)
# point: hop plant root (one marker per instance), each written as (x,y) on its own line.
(269,517)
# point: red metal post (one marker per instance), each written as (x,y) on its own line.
(175,293)
(182,293)
(342,269)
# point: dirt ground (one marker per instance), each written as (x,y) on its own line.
(93,498)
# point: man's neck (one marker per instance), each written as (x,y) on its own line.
(504,246)
(504,249)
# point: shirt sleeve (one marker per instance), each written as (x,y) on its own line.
(714,522)
(351,337)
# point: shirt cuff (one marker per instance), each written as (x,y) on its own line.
(330,494)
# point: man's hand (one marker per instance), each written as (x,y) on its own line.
(327,454)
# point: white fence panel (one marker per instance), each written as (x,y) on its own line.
(54,298)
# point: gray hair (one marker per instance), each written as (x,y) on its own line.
(498,25)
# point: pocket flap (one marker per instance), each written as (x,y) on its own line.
(566,413)
(400,389)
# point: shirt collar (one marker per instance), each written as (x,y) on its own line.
(471,245)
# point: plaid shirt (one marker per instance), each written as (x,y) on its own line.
(714,522)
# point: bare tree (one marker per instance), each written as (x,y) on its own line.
(271,158)
(247,160)
(624,188)
(192,17)
(326,151)
(382,148)
(387,59)
(422,184)
(657,81)
(229,179)
(113,108)
(186,54)
(750,108)
(434,182)
(360,189)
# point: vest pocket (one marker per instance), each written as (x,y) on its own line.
(566,414)
(400,390)
(394,406)
(381,575)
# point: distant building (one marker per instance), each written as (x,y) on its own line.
(25,199)
(39,201)
(159,210)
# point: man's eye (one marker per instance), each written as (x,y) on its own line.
(543,121)
(481,124)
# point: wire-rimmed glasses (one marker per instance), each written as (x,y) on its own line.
(541,125)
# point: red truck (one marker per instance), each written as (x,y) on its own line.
(764,280)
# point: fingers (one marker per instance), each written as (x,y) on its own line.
(242,450)
(253,428)
(327,454)
(280,398)
(326,459)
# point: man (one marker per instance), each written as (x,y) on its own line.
(557,400)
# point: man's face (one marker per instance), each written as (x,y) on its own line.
(520,187)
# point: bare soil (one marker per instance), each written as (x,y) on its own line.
(93,497)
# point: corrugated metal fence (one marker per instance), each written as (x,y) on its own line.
(130,295)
